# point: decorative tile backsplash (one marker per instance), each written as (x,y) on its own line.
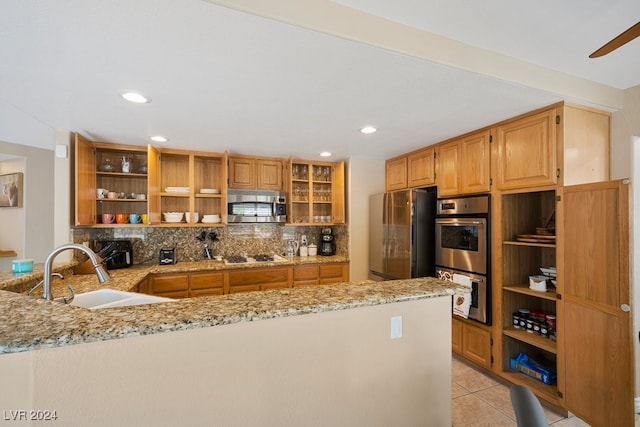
(237,239)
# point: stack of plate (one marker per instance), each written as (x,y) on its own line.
(177,189)
(209,191)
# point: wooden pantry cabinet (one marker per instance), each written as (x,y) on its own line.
(316,193)
(413,170)
(592,346)
(250,173)
(563,144)
(463,165)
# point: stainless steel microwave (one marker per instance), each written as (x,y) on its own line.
(245,206)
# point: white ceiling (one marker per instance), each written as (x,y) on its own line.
(224,79)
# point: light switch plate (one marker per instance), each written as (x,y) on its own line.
(396,327)
(61,151)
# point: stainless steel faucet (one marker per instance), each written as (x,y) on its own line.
(100,271)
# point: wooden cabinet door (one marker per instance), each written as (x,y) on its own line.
(476,345)
(596,321)
(421,168)
(170,283)
(305,275)
(333,273)
(448,173)
(242,172)
(153,185)
(526,152)
(85,182)
(396,174)
(269,174)
(201,284)
(456,335)
(475,156)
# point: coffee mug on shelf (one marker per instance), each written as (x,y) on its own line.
(134,219)
(112,195)
(121,218)
(145,218)
(101,193)
(108,218)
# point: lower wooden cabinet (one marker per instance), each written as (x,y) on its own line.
(320,274)
(204,283)
(333,273)
(258,279)
(471,342)
(170,285)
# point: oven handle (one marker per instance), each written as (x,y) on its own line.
(460,221)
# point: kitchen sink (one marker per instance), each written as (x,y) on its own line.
(111,298)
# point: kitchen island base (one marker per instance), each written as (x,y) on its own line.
(338,368)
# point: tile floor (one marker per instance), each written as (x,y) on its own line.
(480,400)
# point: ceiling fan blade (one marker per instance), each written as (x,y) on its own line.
(622,39)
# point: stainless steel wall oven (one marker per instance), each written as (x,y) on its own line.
(462,247)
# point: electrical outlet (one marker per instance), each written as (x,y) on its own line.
(637,404)
(396,327)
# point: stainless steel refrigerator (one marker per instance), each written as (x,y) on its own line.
(402,234)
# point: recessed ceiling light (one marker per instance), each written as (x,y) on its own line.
(135,97)
(158,138)
(325,154)
(368,129)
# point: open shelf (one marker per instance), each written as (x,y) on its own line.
(538,341)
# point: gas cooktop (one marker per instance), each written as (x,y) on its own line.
(251,259)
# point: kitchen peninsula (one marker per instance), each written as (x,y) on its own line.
(318,355)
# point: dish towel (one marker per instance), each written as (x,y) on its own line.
(462,303)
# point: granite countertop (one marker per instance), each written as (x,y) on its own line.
(28,323)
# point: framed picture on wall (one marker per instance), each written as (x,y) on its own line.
(11,194)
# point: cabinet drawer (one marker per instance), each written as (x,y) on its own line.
(206,292)
(305,272)
(169,283)
(207,280)
(243,288)
(329,271)
(258,276)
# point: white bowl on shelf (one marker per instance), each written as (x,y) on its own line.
(176,189)
(173,216)
(209,191)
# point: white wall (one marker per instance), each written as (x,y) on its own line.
(36,222)
(366,177)
(335,368)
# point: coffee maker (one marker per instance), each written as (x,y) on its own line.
(327,244)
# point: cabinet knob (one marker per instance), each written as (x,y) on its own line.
(625,308)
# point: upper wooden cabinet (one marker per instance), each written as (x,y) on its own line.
(413,170)
(562,145)
(448,172)
(255,173)
(100,165)
(141,188)
(203,175)
(396,174)
(316,193)
(421,168)
(462,165)
(526,152)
